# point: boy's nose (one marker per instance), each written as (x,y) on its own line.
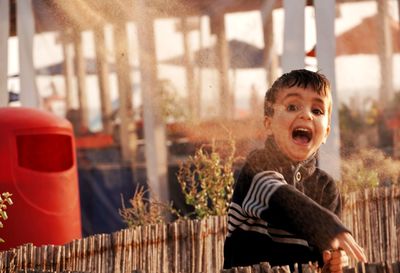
(306,114)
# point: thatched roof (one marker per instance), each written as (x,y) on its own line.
(53,15)
(363,38)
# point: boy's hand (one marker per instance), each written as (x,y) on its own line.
(335,260)
(346,242)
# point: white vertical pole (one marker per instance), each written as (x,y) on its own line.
(154,128)
(68,52)
(293,36)
(270,56)
(26,30)
(385,47)
(4,34)
(326,52)
(193,98)
(103,79)
(226,103)
(80,65)
(124,88)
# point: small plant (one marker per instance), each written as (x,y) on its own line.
(169,102)
(145,211)
(369,168)
(5,199)
(206,179)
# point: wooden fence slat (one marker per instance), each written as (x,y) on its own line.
(372,216)
(125,261)
(136,249)
(196,246)
(182,248)
(166,264)
(265,267)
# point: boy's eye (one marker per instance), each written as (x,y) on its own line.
(317,111)
(292,107)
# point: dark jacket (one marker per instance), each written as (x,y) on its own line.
(281,212)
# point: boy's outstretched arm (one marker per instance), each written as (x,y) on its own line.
(297,213)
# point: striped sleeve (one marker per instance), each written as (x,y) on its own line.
(263,185)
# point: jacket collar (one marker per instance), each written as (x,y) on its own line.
(271,158)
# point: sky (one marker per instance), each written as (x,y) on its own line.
(356,76)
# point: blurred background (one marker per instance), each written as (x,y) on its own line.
(145,83)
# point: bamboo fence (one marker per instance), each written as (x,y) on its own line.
(195,246)
(191,246)
(373,216)
(383,267)
(45,271)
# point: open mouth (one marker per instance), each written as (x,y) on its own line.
(302,135)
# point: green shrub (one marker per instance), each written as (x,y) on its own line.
(206,179)
(145,210)
(368,168)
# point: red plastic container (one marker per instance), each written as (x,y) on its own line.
(38,167)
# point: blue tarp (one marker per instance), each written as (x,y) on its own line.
(102,180)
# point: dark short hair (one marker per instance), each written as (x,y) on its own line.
(302,78)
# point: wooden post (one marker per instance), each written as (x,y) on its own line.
(26,30)
(385,46)
(154,128)
(329,156)
(193,96)
(293,37)
(270,56)
(4,34)
(199,86)
(225,97)
(68,52)
(81,77)
(127,129)
(103,79)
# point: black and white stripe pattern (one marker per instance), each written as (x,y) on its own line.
(263,185)
(238,219)
(248,216)
(282,236)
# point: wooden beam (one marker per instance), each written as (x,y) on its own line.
(124,89)
(29,95)
(103,79)
(80,65)
(193,97)
(385,46)
(271,61)
(4,34)
(225,97)
(325,13)
(68,53)
(90,13)
(154,127)
(293,35)
(199,70)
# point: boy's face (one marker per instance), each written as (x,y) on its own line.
(300,122)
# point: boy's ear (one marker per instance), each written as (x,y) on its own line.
(328,129)
(267,124)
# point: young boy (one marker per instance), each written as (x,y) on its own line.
(284,209)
